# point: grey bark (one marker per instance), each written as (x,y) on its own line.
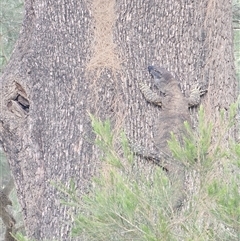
(47,91)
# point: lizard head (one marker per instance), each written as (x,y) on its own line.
(156,73)
(161,77)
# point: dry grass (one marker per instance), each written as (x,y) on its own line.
(104,50)
(105,57)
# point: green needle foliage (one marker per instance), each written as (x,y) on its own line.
(196,145)
(124,204)
(21,237)
(131,206)
(214,207)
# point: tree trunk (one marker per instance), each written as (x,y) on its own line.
(75,57)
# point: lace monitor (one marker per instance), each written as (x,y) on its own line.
(175,110)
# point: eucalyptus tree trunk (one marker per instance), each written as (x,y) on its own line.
(77,57)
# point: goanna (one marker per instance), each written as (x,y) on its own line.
(175,111)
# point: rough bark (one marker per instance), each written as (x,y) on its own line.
(64,65)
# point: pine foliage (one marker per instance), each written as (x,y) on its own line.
(124,204)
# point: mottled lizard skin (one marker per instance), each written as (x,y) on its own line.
(175,111)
